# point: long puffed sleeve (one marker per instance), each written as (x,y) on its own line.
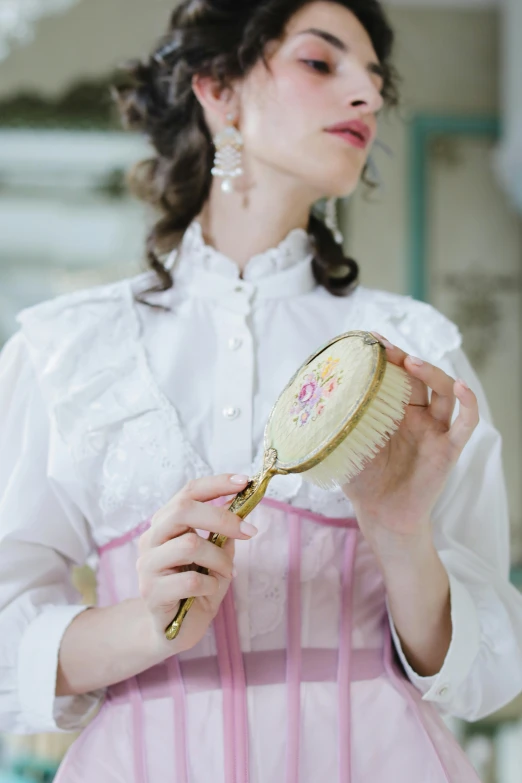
(483,667)
(42,536)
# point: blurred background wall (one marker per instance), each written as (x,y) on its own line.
(440,227)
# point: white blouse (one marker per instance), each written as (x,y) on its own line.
(107,407)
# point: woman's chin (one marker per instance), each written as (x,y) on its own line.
(341,187)
(340,180)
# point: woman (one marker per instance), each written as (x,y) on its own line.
(353,617)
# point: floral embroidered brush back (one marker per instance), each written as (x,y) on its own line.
(317,388)
(322,396)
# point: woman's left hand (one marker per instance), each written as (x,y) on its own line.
(396,492)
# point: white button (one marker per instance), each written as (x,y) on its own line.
(231,413)
(234,343)
(443,690)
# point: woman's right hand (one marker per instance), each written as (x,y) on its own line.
(171,548)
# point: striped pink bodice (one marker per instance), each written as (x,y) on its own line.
(233,670)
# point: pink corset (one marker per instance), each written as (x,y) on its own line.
(147,730)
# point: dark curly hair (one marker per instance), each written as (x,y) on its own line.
(223,39)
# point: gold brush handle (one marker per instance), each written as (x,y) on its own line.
(244,502)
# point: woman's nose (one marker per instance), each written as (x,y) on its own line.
(364,93)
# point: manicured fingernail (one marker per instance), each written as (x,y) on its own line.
(416,361)
(383,340)
(239,479)
(248,529)
(463,383)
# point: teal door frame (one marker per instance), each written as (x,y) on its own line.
(423,128)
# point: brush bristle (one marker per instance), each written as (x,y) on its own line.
(380,421)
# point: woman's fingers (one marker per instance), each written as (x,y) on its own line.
(443,405)
(212,487)
(167,591)
(187,550)
(188,510)
(425,375)
(462,428)
(419,391)
(443,395)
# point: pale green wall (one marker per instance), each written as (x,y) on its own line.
(448,61)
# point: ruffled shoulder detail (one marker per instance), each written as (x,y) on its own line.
(414,326)
(124,437)
(54,327)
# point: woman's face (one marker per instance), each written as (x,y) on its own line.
(323,73)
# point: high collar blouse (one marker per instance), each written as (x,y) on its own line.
(218,366)
(108,406)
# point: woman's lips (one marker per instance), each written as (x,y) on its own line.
(351,138)
(355,132)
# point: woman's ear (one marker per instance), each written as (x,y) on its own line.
(216,101)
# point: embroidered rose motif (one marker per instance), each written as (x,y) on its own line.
(317,388)
(308,389)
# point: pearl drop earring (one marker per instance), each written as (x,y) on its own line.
(227,160)
(331,219)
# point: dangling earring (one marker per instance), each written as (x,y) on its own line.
(372,167)
(227,161)
(374,173)
(331,219)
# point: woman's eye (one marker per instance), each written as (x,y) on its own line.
(318,65)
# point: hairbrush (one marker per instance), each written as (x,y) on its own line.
(334,415)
